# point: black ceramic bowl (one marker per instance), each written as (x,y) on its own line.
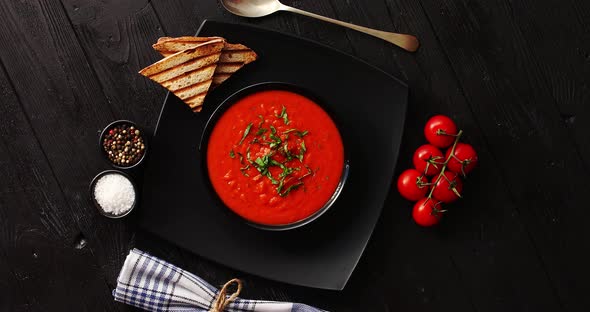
(111,126)
(97,205)
(226,104)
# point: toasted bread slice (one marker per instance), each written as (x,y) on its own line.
(168,45)
(188,73)
(233,56)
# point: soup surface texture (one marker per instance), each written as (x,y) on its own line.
(275,157)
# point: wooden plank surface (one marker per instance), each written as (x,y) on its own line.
(116,39)
(65,254)
(513,74)
(513,92)
(43,257)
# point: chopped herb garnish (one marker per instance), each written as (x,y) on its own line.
(286,171)
(260,131)
(276,141)
(243,170)
(245,133)
(272,180)
(276,163)
(309,172)
(303,176)
(261,121)
(287,152)
(248,155)
(281,183)
(301,134)
(261,163)
(291,188)
(302,151)
(284,115)
(296,132)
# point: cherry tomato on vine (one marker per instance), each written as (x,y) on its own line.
(427,212)
(448,188)
(410,184)
(428,159)
(464,160)
(440,131)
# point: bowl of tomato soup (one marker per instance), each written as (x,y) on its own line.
(274,156)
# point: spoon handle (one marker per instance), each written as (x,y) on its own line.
(406,42)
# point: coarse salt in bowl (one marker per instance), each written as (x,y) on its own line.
(113,193)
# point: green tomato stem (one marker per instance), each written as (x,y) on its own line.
(444,165)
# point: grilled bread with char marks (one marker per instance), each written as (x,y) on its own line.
(233,56)
(188,73)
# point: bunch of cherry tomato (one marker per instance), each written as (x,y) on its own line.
(436,178)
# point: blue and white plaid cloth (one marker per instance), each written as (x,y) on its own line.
(155,285)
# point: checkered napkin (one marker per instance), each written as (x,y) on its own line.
(155,285)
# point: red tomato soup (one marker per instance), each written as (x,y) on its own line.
(275,157)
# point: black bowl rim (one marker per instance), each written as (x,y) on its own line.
(97,205)
(104,153)
(274,85)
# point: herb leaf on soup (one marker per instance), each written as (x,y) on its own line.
(291,188)
(245,133)
(284,115)
(278,143)
(260,131)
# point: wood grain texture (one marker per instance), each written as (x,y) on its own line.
(116,38)
(513,74)
(510,89)
(41,259)
(65,107)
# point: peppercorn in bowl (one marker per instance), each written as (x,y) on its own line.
(124,144)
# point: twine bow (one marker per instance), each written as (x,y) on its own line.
(221,302)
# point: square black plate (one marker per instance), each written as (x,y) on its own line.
(369,105)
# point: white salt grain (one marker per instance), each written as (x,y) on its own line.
(114,193)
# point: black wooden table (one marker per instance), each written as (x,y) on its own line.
(513,74)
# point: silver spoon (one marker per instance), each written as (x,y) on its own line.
(259,8)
